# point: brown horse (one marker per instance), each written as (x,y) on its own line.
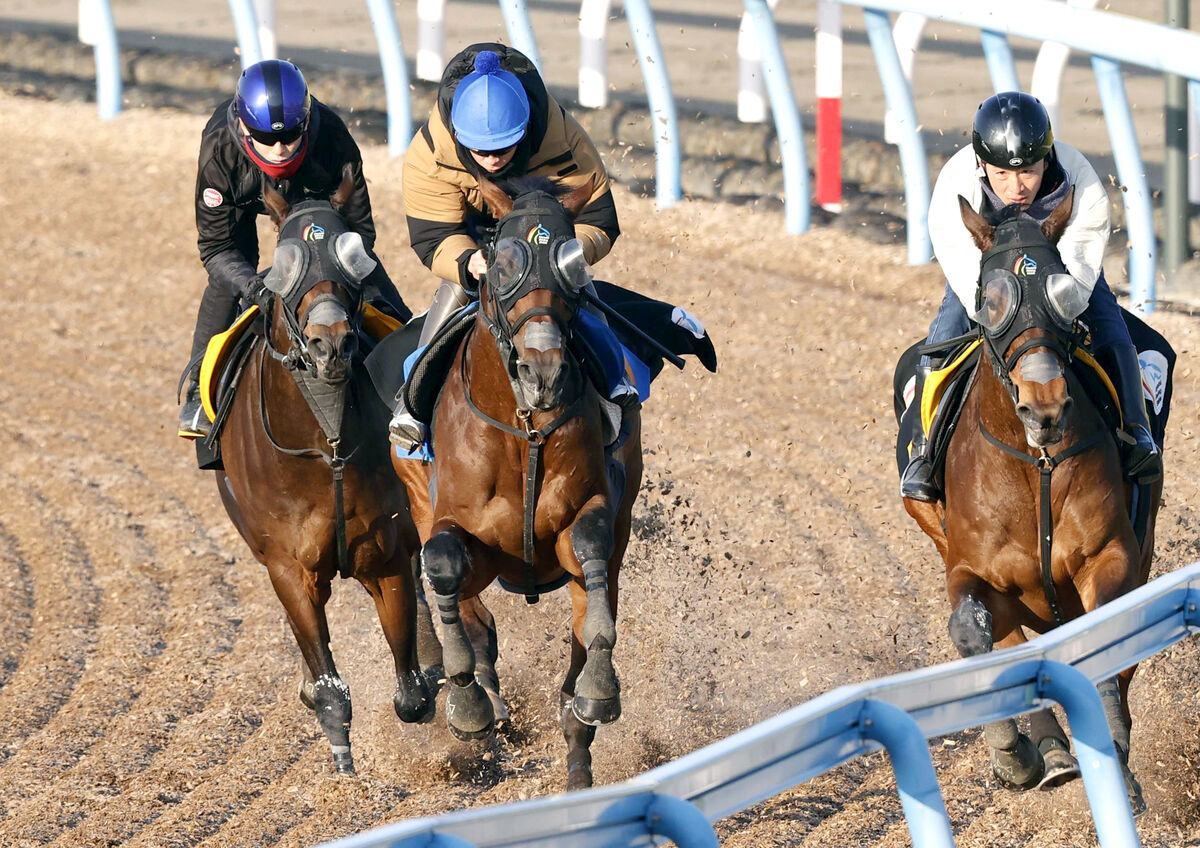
(526,491)
(307,480)
(1024,413)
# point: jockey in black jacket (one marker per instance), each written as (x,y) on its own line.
(273,129)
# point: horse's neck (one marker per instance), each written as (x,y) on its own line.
(487,378)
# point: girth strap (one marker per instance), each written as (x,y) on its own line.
(1046,464)
(537,440)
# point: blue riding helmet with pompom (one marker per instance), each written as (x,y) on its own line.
(490,110)
(272,96)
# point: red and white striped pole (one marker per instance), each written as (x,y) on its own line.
(829,105)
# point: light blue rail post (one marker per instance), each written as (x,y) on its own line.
(916,780)
(663,121)
(681,822)
(395,75)
(520,30)
(788,128)
(246,25)
(107,53)
(1098,763)
(1139,215)
(999,61)
(912,147)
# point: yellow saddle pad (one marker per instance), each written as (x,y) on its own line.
(938,379)
(216,356)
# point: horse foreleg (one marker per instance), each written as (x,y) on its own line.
(597,695)
(429,649)
(468,708)
(481,630)
(395,604)
(1115,571)
(1016,761)
(303,595)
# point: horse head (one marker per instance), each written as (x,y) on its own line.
(533,288)
(317,279)
(1028,304)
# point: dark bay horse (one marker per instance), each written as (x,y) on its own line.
(525,492)
(307,481)
(1024,411)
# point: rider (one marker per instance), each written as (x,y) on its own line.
(493,118)
(273,129)
(1014,159)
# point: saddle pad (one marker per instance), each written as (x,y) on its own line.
(217,357)
(428,373)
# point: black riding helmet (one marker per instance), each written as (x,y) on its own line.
(1012,130)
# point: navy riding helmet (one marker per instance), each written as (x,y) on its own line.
(273,100)
(1012,130)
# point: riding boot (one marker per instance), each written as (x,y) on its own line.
(405,430)
(1141,456)
(917,480)
(193,420)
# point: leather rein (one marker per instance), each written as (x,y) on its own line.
(536,437)
(1046,463)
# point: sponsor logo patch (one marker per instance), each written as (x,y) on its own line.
(313,232)
(212,198)
(538,235)
(1154,377)
(688,321)
(1024,266)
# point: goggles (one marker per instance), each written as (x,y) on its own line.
(270,139)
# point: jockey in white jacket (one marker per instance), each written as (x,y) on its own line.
(1014,159)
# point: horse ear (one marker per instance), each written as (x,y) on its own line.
(983,233)
(277,205)
(1053,226)
(497,200)
(578,198)
(344,189)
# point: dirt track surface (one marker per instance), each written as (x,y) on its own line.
(147,676)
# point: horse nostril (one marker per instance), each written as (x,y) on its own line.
(319,349)
(348,345)
(1023,410)
(1066,409)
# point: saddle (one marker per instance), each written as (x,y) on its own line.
(225,358)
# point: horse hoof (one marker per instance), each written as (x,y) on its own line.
(1020,768)
(594,712)
(469,711)
(343,761)
(1061,767)
(416,705)
(579,777)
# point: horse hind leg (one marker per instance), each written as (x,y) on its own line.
(1051,740)
(597,696)
(1112,695)
(579,738)
(468,709)
(1016,761)
(429,649)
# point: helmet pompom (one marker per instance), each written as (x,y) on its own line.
(487,62)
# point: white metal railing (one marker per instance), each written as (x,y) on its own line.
(898,713)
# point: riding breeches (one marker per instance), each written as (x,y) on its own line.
(950,322)
(218,308)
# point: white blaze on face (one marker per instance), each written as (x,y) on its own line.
(1040,367)
(543,336)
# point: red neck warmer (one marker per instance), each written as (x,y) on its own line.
(277,170)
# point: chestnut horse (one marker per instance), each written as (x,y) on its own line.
(1024,413)
(526,491)
(307,481)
